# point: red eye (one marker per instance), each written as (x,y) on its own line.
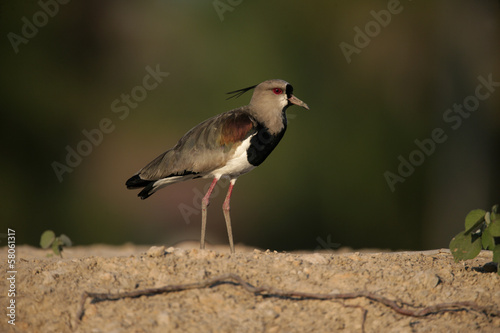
(277,91)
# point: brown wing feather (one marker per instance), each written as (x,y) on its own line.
(204,148)
(236,128)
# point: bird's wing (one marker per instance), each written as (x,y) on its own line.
(205,148)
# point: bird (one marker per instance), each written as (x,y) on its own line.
(227,145)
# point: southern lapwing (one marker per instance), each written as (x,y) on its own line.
(227,145)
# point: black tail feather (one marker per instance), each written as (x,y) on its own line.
(149,187)
(137,182)
(146,192)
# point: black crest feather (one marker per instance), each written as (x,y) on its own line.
(239,92)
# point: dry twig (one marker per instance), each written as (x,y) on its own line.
(406,310)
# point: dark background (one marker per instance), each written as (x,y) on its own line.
(324,183)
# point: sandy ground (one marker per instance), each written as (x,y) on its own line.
(48,290)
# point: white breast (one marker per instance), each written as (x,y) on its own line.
(238,164)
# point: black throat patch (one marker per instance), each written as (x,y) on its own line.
(262,144)
(289,90)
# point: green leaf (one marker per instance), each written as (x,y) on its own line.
(56,249)
(487,240)
(65,240)
(494,228)
(57,242)
(495,221)
(473,220)
(496,254)
(465,246)
(47,239)
(495,217)
(487,218)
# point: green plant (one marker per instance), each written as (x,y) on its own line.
(481,228)
(49,239)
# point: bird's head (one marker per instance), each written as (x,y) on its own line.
(271,95)
(275,94)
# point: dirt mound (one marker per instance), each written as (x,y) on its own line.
(48,290)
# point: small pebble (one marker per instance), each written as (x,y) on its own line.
(427,279)
(156,251)
(316,258)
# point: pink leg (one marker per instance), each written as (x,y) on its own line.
(227,217)
(204,204)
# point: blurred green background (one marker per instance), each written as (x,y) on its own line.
(323,184)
